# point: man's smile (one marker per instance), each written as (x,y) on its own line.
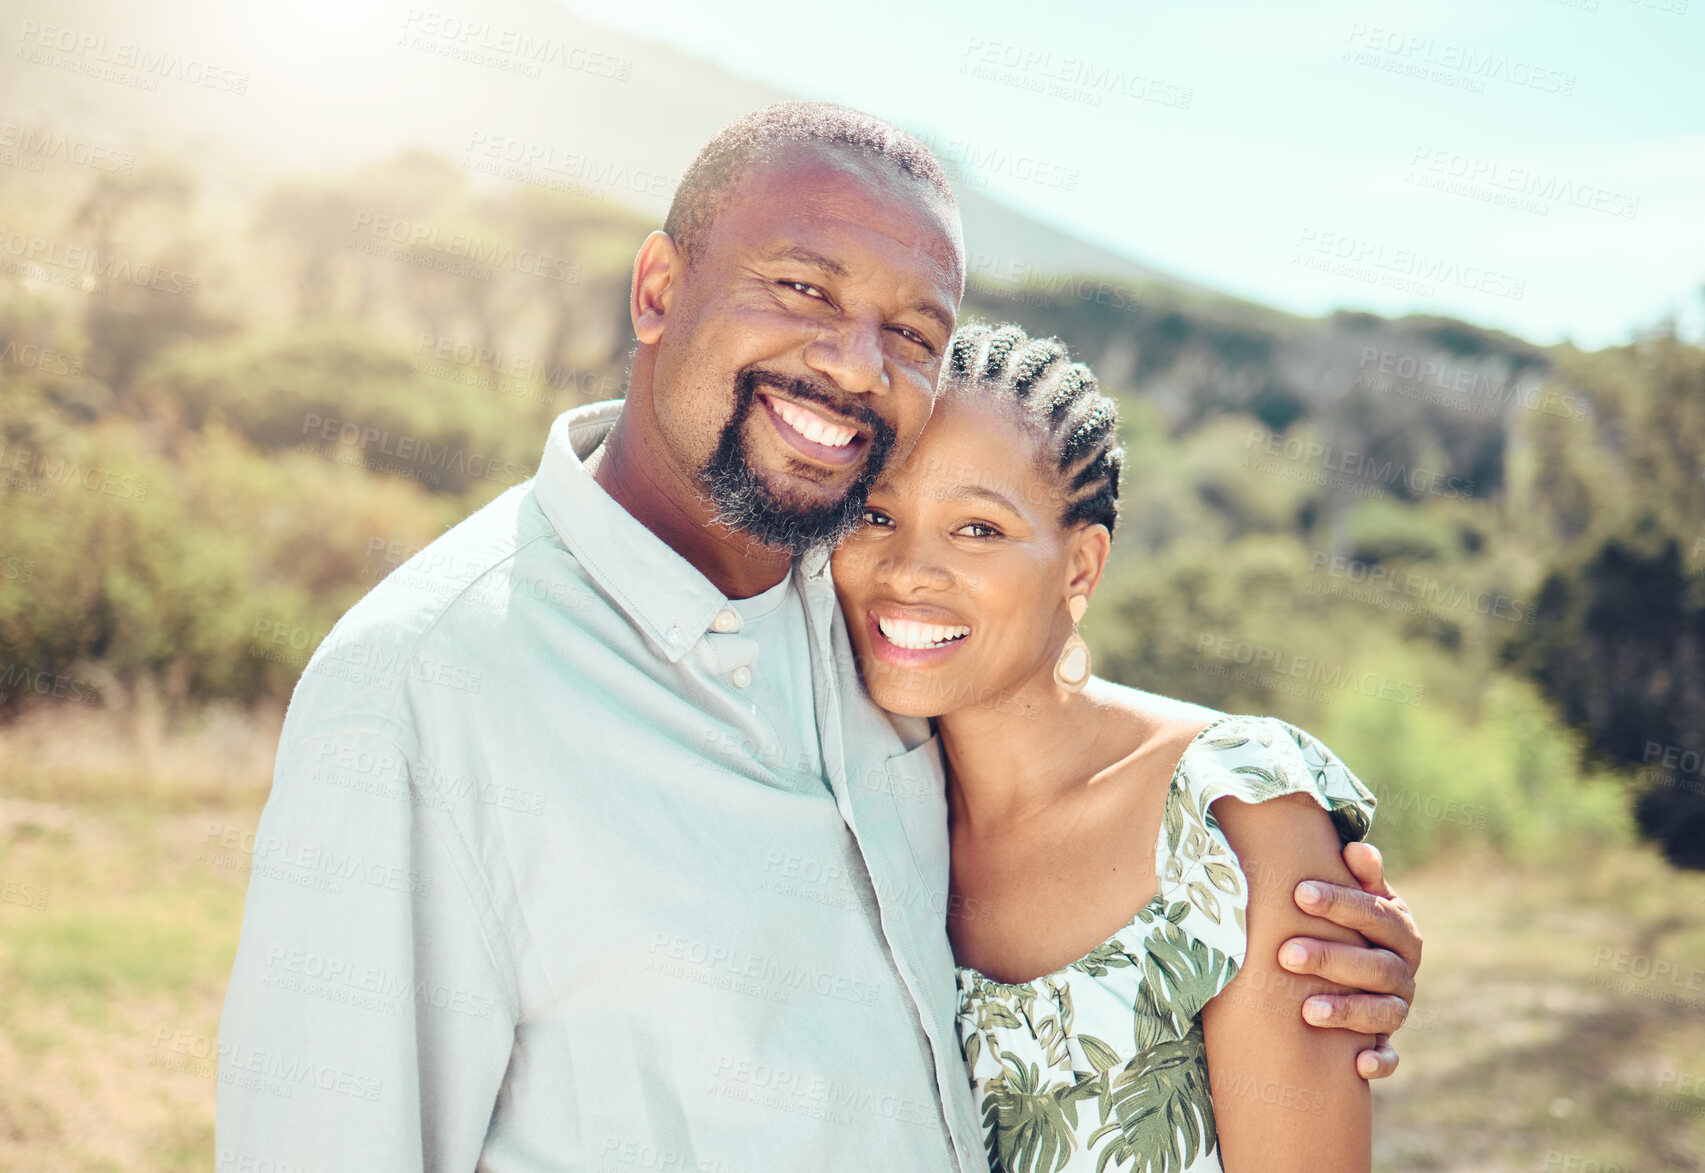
(813,434)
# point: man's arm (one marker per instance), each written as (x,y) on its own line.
(1383,970)
(369,1019)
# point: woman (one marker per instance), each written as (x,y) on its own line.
(1120,999)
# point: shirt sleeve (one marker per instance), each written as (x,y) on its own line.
(371,1011)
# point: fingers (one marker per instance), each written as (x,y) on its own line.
(1376,971)
(1383,921)
(1368,866)
(1371,1014)
(1378,1062)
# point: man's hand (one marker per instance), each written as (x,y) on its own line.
(1385,971)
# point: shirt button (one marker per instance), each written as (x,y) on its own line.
(742,676)
(675,637)
(725,621)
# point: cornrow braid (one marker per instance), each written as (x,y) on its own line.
(1059,401)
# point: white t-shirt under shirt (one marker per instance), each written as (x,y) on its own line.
(780,690)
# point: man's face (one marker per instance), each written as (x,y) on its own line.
(804,341)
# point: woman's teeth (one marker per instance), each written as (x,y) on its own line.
(813,426)
(904,633)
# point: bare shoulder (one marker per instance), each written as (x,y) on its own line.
(1161,724)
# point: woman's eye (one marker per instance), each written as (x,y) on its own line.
(877,517)
(978,529)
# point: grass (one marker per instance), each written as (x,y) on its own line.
(1519,1055)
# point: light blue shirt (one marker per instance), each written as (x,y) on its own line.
(529,894)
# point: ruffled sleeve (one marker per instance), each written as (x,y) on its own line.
(1200,933)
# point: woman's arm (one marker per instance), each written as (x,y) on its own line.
(1286,1094)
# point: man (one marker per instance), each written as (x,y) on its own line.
(585,850)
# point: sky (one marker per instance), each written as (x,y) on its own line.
(1536,166)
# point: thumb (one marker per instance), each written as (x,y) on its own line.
(1366,864)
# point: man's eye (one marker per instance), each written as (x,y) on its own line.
(877,517)
(916,339)
(807,290)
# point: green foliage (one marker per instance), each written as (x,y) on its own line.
(197,486)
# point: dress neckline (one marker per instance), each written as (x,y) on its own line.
(1155,902)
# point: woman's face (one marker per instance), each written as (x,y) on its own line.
(955,586)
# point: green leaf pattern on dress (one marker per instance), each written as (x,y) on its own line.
(1102,1065)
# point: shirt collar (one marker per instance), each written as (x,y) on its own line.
(665,595)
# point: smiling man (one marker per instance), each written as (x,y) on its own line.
(585,850)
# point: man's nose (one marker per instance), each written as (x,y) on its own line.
(849,353)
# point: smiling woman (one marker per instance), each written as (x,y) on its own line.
(1121,863)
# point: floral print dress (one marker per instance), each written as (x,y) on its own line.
(1102,1064)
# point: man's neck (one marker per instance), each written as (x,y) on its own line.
(631,466)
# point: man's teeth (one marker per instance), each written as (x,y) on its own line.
(813,426)
(904,633)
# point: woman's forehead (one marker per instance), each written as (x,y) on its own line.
(971,440)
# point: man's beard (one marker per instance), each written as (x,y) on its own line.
(745,501)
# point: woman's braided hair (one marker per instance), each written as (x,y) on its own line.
(1077,427)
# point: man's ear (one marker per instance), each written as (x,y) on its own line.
(1090,545)
(656,271)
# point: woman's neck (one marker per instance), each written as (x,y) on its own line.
(1011,759)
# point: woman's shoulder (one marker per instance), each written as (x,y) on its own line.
(1255,759)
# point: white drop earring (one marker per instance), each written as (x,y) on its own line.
(1071,670)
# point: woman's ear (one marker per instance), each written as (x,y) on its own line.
(1087,558)
(656,270)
